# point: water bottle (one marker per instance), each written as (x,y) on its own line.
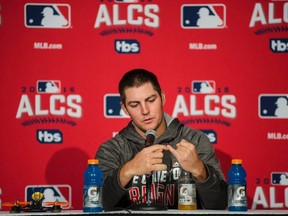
(237,196)
(92,190)
(186,192)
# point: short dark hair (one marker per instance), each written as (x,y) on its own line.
(136,78)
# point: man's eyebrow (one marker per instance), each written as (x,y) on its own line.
(146,99)
(152,96)
(131,102)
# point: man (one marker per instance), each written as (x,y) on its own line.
(125,160)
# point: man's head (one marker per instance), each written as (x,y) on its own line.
(142,99)
(136,78)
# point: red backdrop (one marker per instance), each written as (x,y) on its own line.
(84,48)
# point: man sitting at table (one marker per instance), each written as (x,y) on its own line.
(125,160)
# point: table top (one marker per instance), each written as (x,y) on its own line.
(167,212)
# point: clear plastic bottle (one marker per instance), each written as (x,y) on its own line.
(186,192)
(92,190)
(237,194)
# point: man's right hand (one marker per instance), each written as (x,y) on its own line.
(149,159)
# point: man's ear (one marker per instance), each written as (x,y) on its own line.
(163,97)
(123,107)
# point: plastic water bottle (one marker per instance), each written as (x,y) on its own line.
(186,192)
(237,196)
(92,191)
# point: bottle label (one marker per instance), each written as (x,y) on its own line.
(92,198)
(237,195)
(187,194)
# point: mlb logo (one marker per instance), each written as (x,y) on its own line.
(279,178)
(203,16)
(47,15)
(273,106)
(212,136)
(48,86)
(203,86)
(112,107)
(51,192)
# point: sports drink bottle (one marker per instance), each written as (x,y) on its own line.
(237,194)
(186,192)
(92,190)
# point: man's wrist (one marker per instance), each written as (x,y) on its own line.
(124,175)
(201,174)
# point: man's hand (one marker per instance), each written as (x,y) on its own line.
(188,158)
(148,160)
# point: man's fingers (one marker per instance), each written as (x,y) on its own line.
(174,152)
(183,143)
(158,154)
(185,146)
(157,147)
(160,167)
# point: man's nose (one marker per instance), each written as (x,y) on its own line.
(144,109)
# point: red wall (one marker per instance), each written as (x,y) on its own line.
(46,138)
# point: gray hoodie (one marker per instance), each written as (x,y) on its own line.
(114,153)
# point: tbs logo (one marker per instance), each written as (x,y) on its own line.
(47,15)
(62,193)
(279,178)
(203,16)
(127,46)
(49,136)
(212,136)
(112,108)
(279,45)
(273,106)
(203,86)
(48,86)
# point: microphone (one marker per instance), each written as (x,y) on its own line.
(150,137)
(150,204)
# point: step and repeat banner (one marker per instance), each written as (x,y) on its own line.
(222,64)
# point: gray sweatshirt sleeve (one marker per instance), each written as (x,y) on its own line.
(212,193)
(110,163)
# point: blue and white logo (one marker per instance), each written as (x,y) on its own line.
(127,46)
(203,16)
(203,86)
(212,136)
(51,193)
(279,178)
(112,107)
(49,136)
(48,86)
(279,45)
(273,106)
(47,15)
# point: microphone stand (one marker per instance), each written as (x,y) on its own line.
(149,204)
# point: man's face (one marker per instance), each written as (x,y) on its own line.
(145,107)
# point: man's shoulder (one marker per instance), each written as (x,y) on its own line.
(114,141)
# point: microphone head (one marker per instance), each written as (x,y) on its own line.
(151,132)
(150,137)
